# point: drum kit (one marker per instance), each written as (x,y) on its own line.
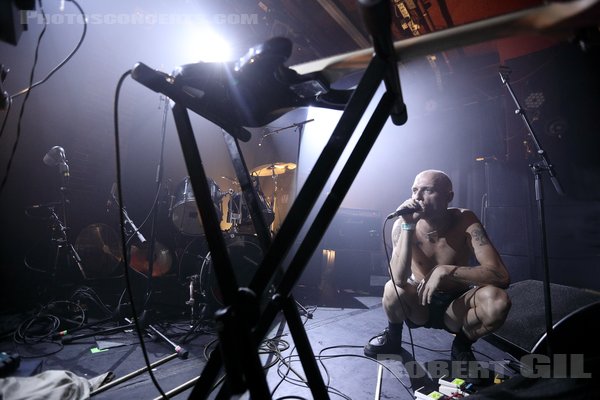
(230,205)
(99,246)
(242,244)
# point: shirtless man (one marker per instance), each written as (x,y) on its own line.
(432,283)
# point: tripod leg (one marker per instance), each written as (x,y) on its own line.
(203,385)
(132,375)
(73,254)
(311,369)
(303,310)
(183,353)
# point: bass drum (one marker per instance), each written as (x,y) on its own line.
(245,254)
(184,213)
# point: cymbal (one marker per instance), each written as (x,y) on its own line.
(271,169)
(100,250)
(552,19)
(226,183)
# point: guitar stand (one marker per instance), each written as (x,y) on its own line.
(240,323)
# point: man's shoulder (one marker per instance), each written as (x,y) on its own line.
(461,211)
(464,216)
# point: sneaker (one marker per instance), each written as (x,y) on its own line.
(383,344)
(461,349)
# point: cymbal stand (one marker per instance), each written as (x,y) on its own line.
(537,169)
(274,205)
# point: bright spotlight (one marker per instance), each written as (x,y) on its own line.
(210,47)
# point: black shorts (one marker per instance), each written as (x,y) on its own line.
(440,301)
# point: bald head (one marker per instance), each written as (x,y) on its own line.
(436,181)
(441,181)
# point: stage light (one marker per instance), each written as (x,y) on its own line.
(535,100)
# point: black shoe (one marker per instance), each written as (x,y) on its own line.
(383,344)
(461,349)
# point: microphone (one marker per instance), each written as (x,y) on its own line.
(55,156)
(404,211)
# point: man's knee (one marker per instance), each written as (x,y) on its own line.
(391,293)
(395,300)
(495,303)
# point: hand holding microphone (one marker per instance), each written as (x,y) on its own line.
(409,207)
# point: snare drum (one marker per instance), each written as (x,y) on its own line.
(184,213)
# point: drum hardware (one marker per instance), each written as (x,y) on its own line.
(274,170)
(238,214)
(192,275)
(197,294)
(203,291)
(184,213)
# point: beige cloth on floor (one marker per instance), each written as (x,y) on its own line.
(49,385)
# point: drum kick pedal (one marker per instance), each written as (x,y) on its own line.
(197,308)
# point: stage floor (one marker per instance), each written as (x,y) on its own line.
(337,326)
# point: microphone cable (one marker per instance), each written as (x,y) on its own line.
(124,242)
(31,85)
(389,265)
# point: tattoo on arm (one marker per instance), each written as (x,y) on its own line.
(498,274)
(480,237)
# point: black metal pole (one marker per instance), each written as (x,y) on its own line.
(537,169)
(541,223)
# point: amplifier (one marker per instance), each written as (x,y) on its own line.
(356,229)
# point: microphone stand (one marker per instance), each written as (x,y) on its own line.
(144,317)
(273,132)
(60,229)
(152,242)
(538,168)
